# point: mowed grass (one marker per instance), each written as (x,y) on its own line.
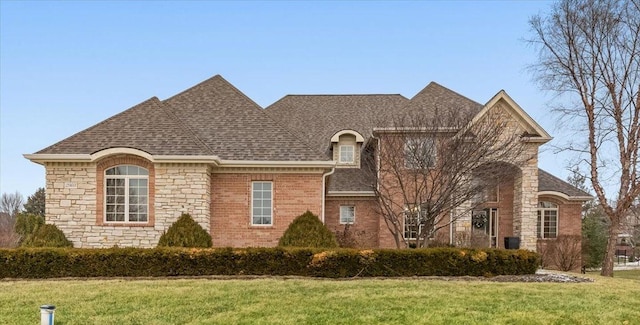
(628,274)
(318,301)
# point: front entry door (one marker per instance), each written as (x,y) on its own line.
(484,230)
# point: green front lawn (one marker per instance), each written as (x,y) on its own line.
(628,274)
(318,301)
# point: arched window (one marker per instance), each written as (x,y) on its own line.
(126,189)
(547,220)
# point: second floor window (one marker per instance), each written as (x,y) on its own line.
(420,153)
(346,154)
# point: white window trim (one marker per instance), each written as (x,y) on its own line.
(126,194)
(353,153)
(354,214)
(541,217)
(271,207)
(404,229)
(404,222)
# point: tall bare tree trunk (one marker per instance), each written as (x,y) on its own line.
(610,253)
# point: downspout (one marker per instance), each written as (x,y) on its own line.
(451,227)
(324,184)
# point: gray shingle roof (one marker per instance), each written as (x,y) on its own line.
(548,182)
(234,126)
(350,179)
(435,97)
(315,118)
(149,126)
(211,118)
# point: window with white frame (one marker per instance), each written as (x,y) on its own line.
(261,203)
(346,153)
(347,214)
(415,221)
(420,153)
(126,194)
(547,220)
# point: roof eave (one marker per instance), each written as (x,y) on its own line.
(87,158)
(351,193)
(565,196)
(541,140)
(278,163)
(444,129)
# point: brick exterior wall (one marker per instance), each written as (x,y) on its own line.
(569,224)
(367,219)
(74,196)
(293,194)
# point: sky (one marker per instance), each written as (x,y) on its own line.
(65,66)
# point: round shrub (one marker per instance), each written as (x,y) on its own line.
(308,231)
(185,232)
(47,235)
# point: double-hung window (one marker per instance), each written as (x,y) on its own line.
(420,153)
(547,220)
(346,154)
(347,214)
(262,203)
(126,194)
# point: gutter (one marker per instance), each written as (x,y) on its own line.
(324,184)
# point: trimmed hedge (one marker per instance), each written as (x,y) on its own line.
(340,263)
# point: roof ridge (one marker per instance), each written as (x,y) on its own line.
(306,143)
(380,94)
(166,108)
(238,91)
(151,99)
(194,86)
(277,124)
(447,89)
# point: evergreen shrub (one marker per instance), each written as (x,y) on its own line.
(27,224)
(185,232)
(47,235)
(308,231)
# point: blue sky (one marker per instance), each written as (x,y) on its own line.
(65,66)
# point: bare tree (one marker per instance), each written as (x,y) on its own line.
(11,203)
(432,169)
(10,206)
(589,51)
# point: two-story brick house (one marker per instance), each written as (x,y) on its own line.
(244,172)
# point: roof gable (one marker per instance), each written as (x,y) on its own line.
(149,126)
(534,131)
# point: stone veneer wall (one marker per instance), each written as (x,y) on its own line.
(525,201)
(71,199)
(182,188)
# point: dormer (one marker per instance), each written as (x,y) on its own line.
(346,146)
